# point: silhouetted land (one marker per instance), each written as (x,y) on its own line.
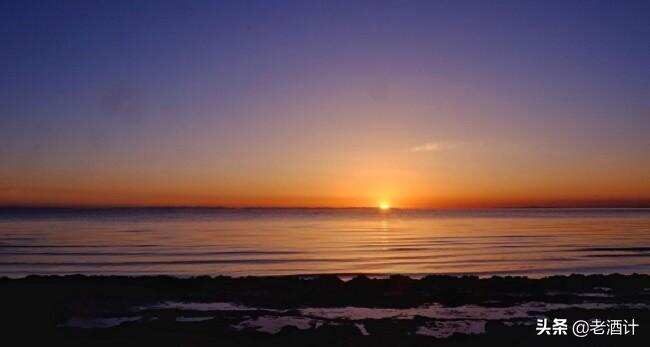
(74,310)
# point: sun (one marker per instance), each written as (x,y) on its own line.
(384,206)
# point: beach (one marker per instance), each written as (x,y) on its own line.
(318,310)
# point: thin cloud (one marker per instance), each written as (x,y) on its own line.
(434,147)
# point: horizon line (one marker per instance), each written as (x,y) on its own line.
(284,207)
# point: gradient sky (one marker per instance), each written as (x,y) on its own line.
(325,103)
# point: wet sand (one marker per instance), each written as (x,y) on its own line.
(317,310)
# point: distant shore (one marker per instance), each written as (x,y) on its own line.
(316,310)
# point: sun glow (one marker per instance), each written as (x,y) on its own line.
(384,206)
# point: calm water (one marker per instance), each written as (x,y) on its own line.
(294,241)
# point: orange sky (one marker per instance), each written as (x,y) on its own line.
(462,174)
(420,104)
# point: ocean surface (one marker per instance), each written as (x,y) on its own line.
(239,242)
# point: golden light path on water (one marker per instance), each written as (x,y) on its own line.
(307,241)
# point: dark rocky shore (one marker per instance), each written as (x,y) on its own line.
(318,310)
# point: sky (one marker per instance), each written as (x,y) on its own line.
(416,104)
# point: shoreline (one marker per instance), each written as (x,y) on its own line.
(313,310)
(422,287)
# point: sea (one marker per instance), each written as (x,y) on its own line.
(188,242)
